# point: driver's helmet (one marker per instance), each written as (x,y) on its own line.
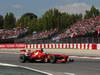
(42,50)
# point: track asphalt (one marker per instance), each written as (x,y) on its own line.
(79,67)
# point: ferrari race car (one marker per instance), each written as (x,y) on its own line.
(42,56)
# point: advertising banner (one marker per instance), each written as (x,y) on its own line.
(16,45)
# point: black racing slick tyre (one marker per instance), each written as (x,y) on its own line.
(71,60)
(52,59)
(22,58)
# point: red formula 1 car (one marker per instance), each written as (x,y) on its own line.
(42,56)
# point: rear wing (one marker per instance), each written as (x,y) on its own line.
(22,51)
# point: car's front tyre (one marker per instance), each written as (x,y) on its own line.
(71,60)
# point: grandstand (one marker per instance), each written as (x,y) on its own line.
(83,31)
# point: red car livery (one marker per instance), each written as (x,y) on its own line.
(42,56)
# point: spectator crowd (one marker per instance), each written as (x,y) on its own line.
(81,27)
(11,33)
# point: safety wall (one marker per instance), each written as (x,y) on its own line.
(98,46)
(65,45)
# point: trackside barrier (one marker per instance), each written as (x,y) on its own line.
(98,46)
(59,45)
(65,45)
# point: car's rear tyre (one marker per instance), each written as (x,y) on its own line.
(22,58)
(52,59)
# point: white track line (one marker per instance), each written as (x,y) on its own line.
(11,65)
(5,64)
(9,53)
(69,73)
(84,57)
